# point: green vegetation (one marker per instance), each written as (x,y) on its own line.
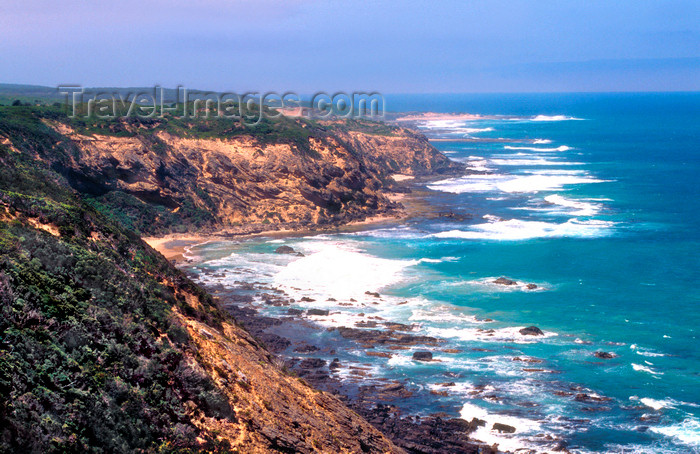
(376,128)
(94,356)
(91,354)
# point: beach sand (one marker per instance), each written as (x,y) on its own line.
(174,246)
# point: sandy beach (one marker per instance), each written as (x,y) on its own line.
(175,246)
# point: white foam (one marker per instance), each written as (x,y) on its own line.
(645,352)
(687,432)
(488,284)
(480,165)
(399,360)
(336,269)
(553,118)
(453,126)
(474,130)
(649,354)
(510,334)
(515,229)
(541,141)
(511,183)
(440,260)
(462,388)
(558,172)
(656,404)
(485,434)
(402,232)
(561,148)
(442,313)
(532,162)
(577,207)
(641,368)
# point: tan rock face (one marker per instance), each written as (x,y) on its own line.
(274,412)
(238,182)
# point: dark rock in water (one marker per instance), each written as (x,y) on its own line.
(604,355)
(331,299)
(306,349)
(393,391)
(531,286)
(526,359)
(531,331)
(306,299)
(582,397)
(285,250)
(475,423)
(595,409)
(397,326)
(505,281)
(422,356)
(312,363)
(374,294)
(366,324)
(322,312)
(379,354)
(273,342)
(560,446)
(335,364)
(503,428)
(292,311)
(384,337)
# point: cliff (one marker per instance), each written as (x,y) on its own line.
(169,175)
(105,347)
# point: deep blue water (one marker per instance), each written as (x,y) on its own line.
(592,197)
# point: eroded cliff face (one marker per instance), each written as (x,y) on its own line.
(106,347)
(242,183)
(275,412)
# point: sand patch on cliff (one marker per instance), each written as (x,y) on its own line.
(401,177)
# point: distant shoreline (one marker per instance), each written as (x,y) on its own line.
(174,246)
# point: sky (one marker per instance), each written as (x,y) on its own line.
(401,46)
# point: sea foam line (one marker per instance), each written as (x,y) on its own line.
(516,229)
(561,148)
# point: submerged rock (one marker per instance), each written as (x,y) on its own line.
(312,363)
(422,356)
(321,312)
(503,428)
(531,331)
(505,281)
(604,355)
(285,250)
(306,349)
(583,397)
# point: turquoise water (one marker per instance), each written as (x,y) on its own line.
(593,198)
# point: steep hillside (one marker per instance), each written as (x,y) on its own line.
(170,175)
(104,346)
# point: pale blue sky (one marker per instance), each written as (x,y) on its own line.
(390,46)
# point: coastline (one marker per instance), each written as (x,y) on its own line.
(378,402)
(174,246)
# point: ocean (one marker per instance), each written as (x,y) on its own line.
(594,199)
